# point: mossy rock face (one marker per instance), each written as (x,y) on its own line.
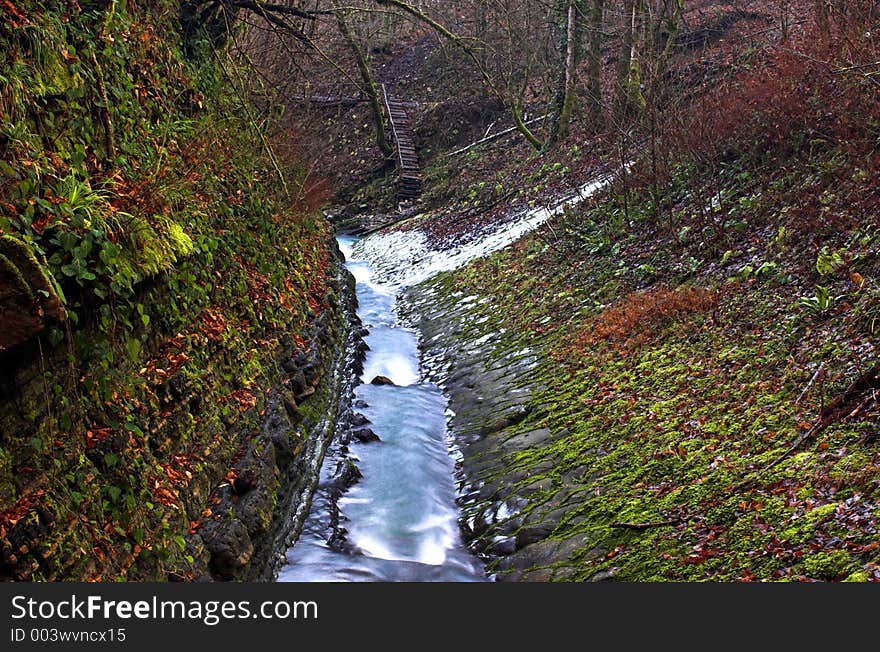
(26,294)
(19,319)
(184,278)
(52,76)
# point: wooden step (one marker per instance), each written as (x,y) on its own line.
(409,180)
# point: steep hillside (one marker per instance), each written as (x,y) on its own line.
(157,264)
(694,395)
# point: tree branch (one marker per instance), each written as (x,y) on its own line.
(307,14)
(647,526)
(487,79)
(269,11)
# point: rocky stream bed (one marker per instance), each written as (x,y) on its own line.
(417,485)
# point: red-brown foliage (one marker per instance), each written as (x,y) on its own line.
(641,316)
(810,92)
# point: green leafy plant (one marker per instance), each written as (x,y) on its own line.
(781,237)
(821,302)
(749,270)
(828,263)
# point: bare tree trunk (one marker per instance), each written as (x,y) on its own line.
(565,93)
(822,21)
(594,83)
(370,87)
(483,30)
(627,64)
(783,19)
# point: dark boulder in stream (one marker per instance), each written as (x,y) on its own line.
(365,435)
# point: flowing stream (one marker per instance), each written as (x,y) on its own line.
(401,518)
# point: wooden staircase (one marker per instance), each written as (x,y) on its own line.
(409,183)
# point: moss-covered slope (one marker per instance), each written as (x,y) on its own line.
(697,409)
(164,270)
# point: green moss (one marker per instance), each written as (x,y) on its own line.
(29,271)
(14,283)
(52,74)
(695,422)
(828,565)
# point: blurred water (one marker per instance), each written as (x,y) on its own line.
(401,517)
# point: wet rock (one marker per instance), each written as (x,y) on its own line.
(564,574)
(282,442)
(255,511)
(536,487)
(528,439)
(245,481)
(537,575)
(488,491)
(308,391)
(347,474)
(358,420)
(545,552)
(339,542)
(515,416)
(301,359)
(290,405)
(532,534)
(575,476)
(382,380)
(230,547)
(503,546)
(604,576)
(365,435)
(297,381)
